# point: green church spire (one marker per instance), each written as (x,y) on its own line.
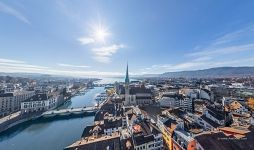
(127,80)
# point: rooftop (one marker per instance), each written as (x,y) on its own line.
(37,97)
(218,140)
(95,143)
(212,123)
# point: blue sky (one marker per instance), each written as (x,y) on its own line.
(97,37)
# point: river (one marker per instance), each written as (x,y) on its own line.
(53,135)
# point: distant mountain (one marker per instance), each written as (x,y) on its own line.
(37,75)
(148,75)
(212,72)
(18,74)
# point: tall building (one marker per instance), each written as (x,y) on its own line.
(135,95)
(127,88)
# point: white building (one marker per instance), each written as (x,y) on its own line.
(196,93)
(39,102)
(186,104)
(174,100)
(211,119)
(112,124)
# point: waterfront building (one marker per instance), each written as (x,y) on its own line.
(39,102)
(10,102)
(106,132)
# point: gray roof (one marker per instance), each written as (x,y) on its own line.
(6,95)
(212,123)
(37,97)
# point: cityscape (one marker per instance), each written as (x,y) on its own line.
(126,75)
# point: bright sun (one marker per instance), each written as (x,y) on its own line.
(100,33)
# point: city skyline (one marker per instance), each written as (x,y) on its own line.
(88,38)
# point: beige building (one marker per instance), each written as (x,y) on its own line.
(10,102)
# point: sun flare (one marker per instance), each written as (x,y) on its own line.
(101,33)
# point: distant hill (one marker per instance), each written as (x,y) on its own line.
(18,74)
(212,72)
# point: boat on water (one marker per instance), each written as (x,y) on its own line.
(101,96)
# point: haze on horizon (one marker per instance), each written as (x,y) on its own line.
(88,38)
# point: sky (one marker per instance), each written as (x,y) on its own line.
(98,37)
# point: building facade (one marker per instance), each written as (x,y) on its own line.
(39,102)
(10,102)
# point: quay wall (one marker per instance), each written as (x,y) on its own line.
(39,115)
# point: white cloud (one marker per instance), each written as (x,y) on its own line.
(200,59)
(103,54)
(13,66)
(73,66)
(11,11)
(86,40)
(208,56)
(235,35)
(23,65)
(10,64)
(54,71)
(233,42)
(10,61)
(195,65)
(82,73)
(223,50)
(99,38)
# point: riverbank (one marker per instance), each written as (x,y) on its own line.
(17,118)
(39,133)
(21,118)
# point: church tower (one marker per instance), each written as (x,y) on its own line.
(127,88)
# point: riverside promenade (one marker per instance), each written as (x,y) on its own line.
(10,117)
(18,118)
(15,119)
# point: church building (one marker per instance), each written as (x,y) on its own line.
(135,95)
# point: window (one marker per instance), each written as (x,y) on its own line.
(174,148)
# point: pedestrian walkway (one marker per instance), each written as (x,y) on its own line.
(9,117)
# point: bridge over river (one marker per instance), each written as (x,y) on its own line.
(90,110)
